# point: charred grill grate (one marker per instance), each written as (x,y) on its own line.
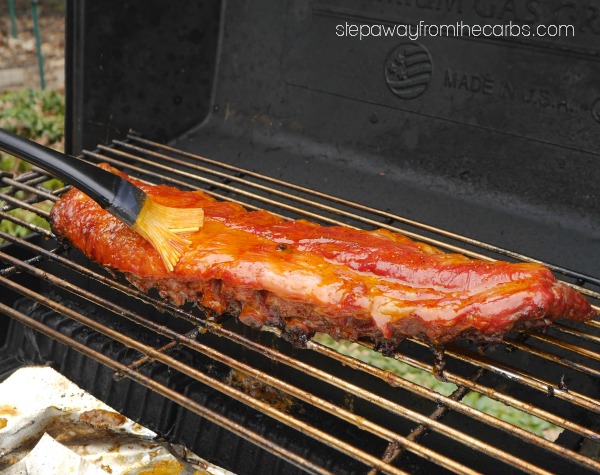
(347,415)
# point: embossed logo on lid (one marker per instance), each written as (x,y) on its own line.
(408,70)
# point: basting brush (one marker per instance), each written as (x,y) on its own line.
(158,224)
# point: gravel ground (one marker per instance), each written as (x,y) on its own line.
(18,57)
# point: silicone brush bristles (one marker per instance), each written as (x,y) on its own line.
(156,223)
(160,224)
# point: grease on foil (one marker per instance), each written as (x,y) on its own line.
(48,425)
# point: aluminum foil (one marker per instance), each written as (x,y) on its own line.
(48,425)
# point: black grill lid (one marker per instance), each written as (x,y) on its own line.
(497,138)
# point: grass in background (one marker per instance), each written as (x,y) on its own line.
(427,380)
(37,115)
(34,114)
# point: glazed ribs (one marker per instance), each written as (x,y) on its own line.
(307,278)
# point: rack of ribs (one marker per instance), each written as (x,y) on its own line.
(305,278)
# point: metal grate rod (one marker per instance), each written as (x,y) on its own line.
(460,381)
(235,428)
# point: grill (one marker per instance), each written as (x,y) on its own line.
(317,409)
(260,103)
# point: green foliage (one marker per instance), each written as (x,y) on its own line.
(15,230)
(422,378)
(376,359)
(37,115)
(33,114)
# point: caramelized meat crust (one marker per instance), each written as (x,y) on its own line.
(303,277)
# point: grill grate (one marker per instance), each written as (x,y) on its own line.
(372,417)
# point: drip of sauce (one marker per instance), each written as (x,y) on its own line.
(439,362)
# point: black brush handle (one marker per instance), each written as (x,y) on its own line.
(108,190)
